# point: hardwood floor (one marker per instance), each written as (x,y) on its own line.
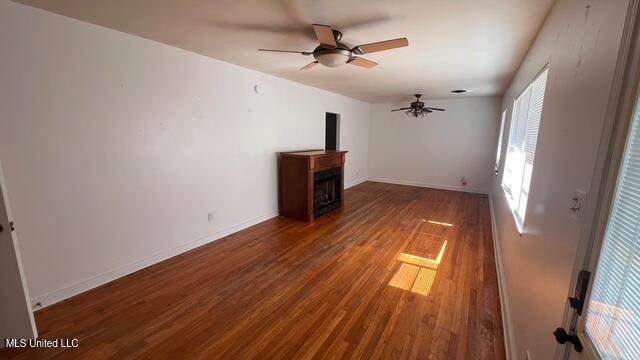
(400,272)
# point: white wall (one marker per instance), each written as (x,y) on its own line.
(115,148)
(439,149)
(580,41)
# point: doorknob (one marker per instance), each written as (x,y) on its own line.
(562,337)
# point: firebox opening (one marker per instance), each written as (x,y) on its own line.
(327,191)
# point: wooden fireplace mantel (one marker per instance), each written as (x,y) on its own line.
(297,172)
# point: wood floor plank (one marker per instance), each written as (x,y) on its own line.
(364,282)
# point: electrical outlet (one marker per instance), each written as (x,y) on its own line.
(210,217)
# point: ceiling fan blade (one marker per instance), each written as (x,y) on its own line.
(382,46)
(362,62)
(436,109)
(408,108)
(310,65)
(287,51)
(325,36)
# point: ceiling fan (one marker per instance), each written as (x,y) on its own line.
(332,53)
(417,108)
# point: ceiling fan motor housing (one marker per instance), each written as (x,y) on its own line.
(337,34)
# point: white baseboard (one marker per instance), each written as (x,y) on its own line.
(427,185)
(502,289)
(355,182)
(58,295)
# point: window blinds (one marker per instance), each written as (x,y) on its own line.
(613,313)
(499,150)
(523,136)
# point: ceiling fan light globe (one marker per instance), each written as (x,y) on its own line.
(332,59)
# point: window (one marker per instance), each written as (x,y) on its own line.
(521,151)
(499,150)
(613,313)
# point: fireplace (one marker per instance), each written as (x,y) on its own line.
(311,183)
(327,186)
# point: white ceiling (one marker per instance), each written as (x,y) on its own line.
(467,44)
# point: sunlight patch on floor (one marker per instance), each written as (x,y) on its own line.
(417,273)
(424,281)
(440,223)
(405,276)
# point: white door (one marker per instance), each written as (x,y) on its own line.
(609,327)
(16,316)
